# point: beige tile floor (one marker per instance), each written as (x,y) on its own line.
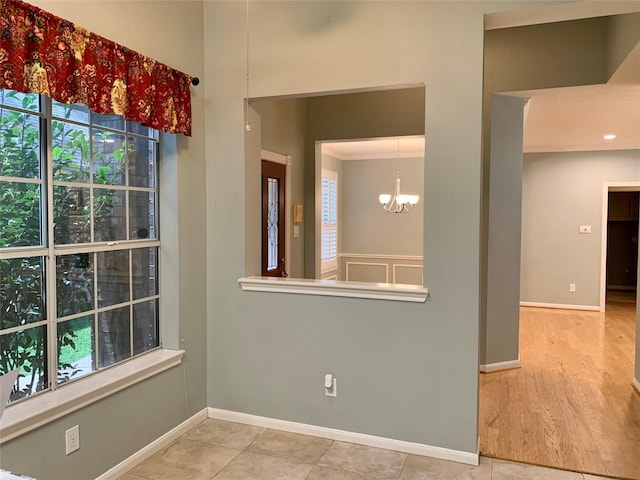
(219,450)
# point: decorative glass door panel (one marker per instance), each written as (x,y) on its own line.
(273,219)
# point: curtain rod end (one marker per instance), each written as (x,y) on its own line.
(195,81)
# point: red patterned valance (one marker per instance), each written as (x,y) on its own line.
(42,53)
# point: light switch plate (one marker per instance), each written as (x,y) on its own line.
(585,228)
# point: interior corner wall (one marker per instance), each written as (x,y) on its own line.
(560,192)
(282,131)
(170,32)
(623,33)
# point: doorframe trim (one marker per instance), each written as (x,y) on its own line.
(285,160)
(606,188)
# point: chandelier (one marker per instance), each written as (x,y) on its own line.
(398,203)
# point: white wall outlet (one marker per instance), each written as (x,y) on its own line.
(330,385)
(572,287)
(585,228)
(72,439)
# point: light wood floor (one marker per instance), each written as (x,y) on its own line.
(571,405)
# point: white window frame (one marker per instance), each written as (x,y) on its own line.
(49,252)
(331,177)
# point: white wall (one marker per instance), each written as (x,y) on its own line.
(560,192)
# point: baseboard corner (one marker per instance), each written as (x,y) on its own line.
(499,366)
(155,446)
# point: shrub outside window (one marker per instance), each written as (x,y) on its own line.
(78,241)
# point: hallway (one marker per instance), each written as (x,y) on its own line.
(571,405)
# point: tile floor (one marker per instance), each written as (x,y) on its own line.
(219,450)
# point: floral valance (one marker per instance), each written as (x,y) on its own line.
(42,53)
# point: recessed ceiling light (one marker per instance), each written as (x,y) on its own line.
(610,136)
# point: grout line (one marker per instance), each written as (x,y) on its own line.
(404,464)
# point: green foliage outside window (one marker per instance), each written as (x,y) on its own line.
(22,218)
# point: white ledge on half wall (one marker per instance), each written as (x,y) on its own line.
(336,288)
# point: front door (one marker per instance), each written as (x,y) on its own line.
(273,219)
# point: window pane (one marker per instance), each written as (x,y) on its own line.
(113,336)
(109,159)
(78,112)
(113,277)
(75,348)
(142,170)
(110,215)
(145,265)
(19,144)
(71,215)
(20,214)
(70,152)
(26,101)
(145,326)
(22,291)
(115,122)
(139,129)
(142,215)
(26,350)
(74,283)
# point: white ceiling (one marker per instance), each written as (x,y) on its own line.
(559,119)
(371,149)
(577,118)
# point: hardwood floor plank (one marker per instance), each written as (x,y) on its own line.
(571,405)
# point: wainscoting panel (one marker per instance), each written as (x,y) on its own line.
(367,272)
(407,274)
(378,268)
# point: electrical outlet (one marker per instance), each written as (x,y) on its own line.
(332,389)
(572,287)
(72,439)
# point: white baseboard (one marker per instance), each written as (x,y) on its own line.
(636,384)
(565,306)
(158,444)
(496,367)
(344,436)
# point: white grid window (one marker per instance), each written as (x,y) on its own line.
(78,241)
(329,221)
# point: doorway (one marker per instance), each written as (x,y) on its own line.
(621,246)
(273,219)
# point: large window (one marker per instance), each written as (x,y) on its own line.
(78,241)
(329,220)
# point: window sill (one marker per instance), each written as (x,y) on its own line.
(336,288)
(27,415)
